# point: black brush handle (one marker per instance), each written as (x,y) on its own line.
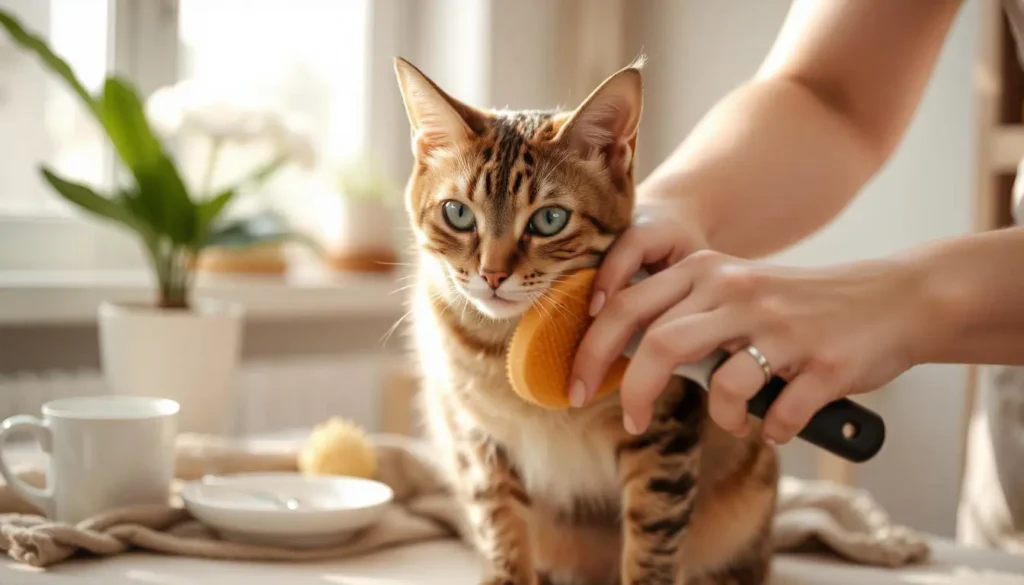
(843,427)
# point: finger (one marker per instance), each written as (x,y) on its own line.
(634,249)
(661,349)
(694,303)
(732,386)
(613,328)
(701,299)
(792,410)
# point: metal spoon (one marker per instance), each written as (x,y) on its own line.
(286,502)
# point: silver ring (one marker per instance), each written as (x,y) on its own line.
(761,361)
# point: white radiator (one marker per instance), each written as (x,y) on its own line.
(269,395)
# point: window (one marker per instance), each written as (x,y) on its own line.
(304,55)
(40,121)
(304,58)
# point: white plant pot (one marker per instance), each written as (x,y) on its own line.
(367,226)
(188,356)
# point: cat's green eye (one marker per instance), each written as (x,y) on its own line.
(458,215)
(548,221)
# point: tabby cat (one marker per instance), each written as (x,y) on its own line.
(501,204)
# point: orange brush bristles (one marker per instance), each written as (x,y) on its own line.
(544,344)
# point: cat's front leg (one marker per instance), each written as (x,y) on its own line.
(497,505)
(659,472)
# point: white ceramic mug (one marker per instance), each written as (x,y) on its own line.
(105,452)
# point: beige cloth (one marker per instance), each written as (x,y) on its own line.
(810,514)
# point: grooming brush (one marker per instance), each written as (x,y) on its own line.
(544,344)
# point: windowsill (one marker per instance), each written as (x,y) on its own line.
(72,297)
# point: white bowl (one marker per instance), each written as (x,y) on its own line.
(332,510)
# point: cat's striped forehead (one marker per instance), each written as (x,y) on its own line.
(526,125)
(505,173)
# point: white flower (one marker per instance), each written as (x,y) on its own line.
(295,139)
(226,115)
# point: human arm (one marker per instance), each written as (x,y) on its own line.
(782,155)
(974,286)
(772,162)
(831,331)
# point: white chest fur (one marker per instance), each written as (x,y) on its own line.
(559,458)
(560,462)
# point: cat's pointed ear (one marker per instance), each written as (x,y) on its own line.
(438,120)
(606,123)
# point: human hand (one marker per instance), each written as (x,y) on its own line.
(657,239)
(829,332)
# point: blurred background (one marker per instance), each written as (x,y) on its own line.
(314,337)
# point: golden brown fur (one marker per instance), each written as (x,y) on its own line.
(559,496)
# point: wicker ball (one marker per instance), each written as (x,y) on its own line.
(338,447)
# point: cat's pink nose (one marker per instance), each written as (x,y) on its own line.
(494,278)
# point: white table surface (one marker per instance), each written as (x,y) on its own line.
(449,563)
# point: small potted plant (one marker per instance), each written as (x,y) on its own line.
(365,230)
(177,346)
(252,244)
(226,121)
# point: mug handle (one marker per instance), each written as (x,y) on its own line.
(40,498)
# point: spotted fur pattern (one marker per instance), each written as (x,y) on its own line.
(559,496)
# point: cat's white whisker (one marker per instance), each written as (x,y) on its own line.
(564,294)
(547,313)
(565,157)
(542,307)
(542,302)
(558,307)
(391,330)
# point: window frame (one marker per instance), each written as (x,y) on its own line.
(144,46)
(138,49)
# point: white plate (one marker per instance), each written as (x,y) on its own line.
(333,508)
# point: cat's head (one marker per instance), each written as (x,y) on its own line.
(508,201)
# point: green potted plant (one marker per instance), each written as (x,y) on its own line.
(218,124)
(178,346)
(365,226)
